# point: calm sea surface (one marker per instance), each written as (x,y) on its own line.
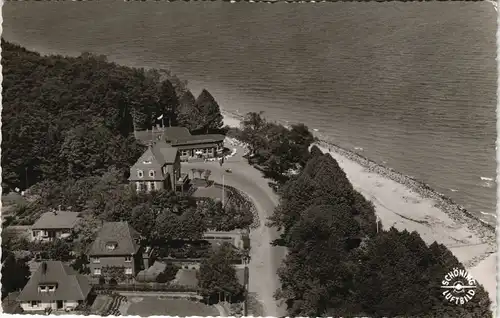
(410,85)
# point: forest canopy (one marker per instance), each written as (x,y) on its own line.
(72,117)
(339,264)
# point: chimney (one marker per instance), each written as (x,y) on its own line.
(44,268)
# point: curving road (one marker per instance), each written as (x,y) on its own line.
(265,259)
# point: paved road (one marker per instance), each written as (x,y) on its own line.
(265,259)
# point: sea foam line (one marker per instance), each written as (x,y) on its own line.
(486,179)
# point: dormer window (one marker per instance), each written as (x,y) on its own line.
(151,173)
(46,288)
(140,174)
(111,245)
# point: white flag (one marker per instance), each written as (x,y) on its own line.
(161,116)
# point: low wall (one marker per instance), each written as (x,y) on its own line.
(240,195)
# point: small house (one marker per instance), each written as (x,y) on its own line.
(117,245)
(54,225)
(54,286)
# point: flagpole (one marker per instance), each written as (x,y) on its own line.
(223,190)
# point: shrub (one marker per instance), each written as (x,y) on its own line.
(168,273)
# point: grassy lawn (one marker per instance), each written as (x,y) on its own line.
(149,306)
(100,304)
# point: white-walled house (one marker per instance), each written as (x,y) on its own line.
(55,286)
(54,224)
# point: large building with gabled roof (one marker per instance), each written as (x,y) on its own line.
(189,146)
(159,168)
(54,286)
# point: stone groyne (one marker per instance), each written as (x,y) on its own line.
(457,212)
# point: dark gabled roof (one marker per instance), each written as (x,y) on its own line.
(56,220)
(199,139)
(119,233)
(164,152)
(146,136)
(196,146)
(70,285)
(154,158)
(176,133)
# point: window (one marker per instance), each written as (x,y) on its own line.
(128,271)
(151,173)
(140,174)
(52,288)
(34,303)
(152,185)
(185,152)
(96,260)
(97,271)
(111,246)
(205,150)
(43,288)
(148,160)
(35,233)
(128,258)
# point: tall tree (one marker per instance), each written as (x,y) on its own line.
(210,112)
(217,276)
(15,274)
(91,149)
(188,115)
(252,131)
(80,264)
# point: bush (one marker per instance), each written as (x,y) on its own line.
(168,274)
(102,280)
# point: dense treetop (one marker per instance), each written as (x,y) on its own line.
(72,117)
(275,149)
(217,275)
(338,265)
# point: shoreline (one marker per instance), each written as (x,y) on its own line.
(444,203)
(406,203)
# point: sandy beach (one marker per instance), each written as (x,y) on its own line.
(405,203)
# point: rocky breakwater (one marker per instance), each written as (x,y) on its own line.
(456,212)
